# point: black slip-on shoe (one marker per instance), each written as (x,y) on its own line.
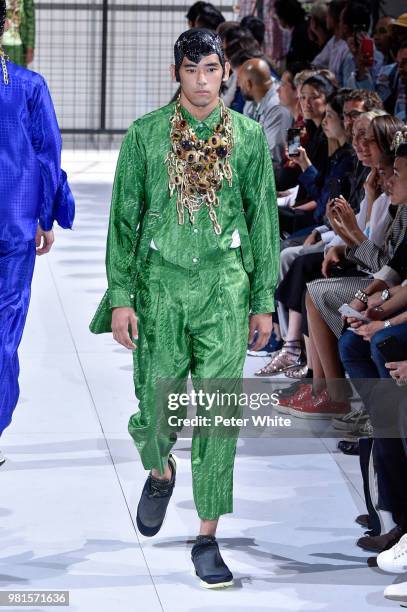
(209,565)
(380,543)
(154,500)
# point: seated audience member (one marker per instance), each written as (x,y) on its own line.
(355,23)
(257,85)
(289,92)
(383,39)
(314,94)
(390,84)
(325,296)
(255,26)
(209,17)
(317,24)
(291,15)
(193,12)
(336,49)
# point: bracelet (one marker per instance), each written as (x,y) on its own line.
(361,296)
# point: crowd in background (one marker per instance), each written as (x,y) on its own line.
(329,87)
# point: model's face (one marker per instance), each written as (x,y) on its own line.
(286,91)
(398,182)
(402,63)
(351,111)
(332,124)
(313,103)
(200,83)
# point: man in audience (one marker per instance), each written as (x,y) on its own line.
(257,85)
(209,17)
(383,39)
(336,49)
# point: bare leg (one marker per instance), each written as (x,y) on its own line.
(208,527)
(318,379)
(327,350)
(294,326)
(166,476)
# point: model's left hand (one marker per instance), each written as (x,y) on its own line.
(29,56)
(368,330)
(44,241)
(398,371)
(263,323)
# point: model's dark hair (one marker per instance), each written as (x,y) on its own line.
(290,11)
(256,27)
(195,44)
(3,10)
(384,129)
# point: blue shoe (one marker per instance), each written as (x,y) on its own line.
(209,565)
(272,346)
(154,501)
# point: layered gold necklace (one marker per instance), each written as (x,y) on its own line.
(196,168)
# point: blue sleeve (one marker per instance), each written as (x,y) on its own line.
(308,179)
(57,200)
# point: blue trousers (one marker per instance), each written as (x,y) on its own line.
(363,361)
(16,271)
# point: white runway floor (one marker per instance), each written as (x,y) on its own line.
(70,487)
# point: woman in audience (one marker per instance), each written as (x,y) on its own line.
(314,94)
(325,296)
(292,16)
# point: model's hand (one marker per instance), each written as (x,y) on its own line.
(124,319)
(398,371)
(263,324)
(29,56)
(44,241)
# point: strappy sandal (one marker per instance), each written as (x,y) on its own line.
(283,361)
(298,373)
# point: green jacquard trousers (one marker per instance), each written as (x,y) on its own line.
(190,321)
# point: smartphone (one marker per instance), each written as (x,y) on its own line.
(335,188)
(367,50)
(293,141)
(392,350)
(348,311)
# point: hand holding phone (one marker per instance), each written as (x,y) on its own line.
(349,312)
(293,141)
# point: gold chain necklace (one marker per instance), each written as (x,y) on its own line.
(196,168)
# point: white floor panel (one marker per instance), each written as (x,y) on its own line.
(70,487)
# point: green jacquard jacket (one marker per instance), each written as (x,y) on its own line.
(142,210)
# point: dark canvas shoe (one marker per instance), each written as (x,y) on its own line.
(380,543)
(154,501)
(209,565)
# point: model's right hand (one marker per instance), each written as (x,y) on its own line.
(124,318)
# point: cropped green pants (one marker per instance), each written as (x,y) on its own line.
(190,321)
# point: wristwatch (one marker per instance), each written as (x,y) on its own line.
(385,295)
(361,296)
(387,324)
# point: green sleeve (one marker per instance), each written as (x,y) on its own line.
(29,34)
(127,201)
(260,204)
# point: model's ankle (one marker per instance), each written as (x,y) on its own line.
(158,476)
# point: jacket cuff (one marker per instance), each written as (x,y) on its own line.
(120,298)
(262,305)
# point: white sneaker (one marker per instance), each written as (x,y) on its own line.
(2,459)
(351,421)
(394,560)
(397,592)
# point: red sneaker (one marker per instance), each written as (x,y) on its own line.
(318,407)
(303,392)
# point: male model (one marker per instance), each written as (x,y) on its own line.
(192,247)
